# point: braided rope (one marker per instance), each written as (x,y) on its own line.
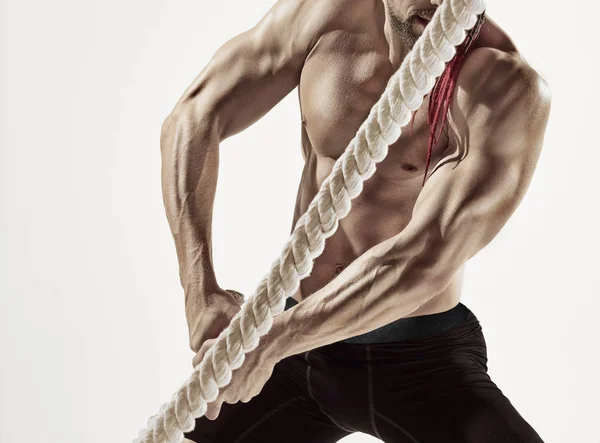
(404,94)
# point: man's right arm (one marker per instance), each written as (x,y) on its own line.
(244,79)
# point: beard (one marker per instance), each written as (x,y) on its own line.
(405,28)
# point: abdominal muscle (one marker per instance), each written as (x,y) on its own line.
(382,210)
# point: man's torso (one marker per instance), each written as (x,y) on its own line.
(342,78)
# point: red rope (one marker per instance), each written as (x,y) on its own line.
(441,95)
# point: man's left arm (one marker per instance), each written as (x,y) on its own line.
(496,128)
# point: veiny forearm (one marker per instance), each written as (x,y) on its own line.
(190,161)
(387,282)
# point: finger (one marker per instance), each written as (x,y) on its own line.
(246,398)
(213,410)
(203,349)
(230,400)
(239,297)
(230,392)
(197,358)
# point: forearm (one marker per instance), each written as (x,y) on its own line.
(190,161)
(387,282)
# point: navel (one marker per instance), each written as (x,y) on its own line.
(409,167)
(338,269)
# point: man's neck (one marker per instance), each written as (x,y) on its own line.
(399,48)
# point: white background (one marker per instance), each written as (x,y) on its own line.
(93,336)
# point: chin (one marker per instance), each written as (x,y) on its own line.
(412,38)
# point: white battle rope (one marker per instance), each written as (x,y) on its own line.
(404,94)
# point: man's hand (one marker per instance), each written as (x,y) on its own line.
(246,382)
(209,314)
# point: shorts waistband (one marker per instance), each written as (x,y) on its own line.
(409,328)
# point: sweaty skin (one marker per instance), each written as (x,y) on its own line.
(401,250)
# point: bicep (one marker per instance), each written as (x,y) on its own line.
(478,185)
(463,206)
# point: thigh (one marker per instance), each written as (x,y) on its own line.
(481,414)
(470,415)
(283,411)
(437,390)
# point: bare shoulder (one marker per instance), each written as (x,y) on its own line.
(254,70)
(308,20)
(499,93)
(497,78)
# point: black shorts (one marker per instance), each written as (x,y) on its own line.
(420,379)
